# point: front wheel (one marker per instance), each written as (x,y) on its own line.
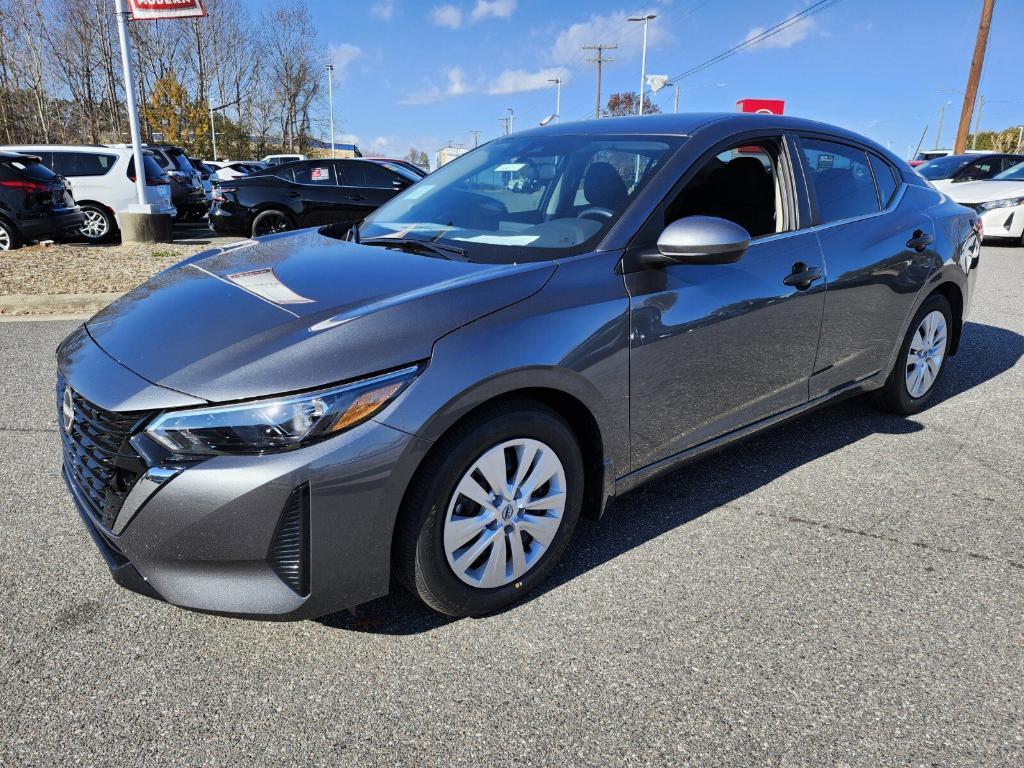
(921,359)
(491,511)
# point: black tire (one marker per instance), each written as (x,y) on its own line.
(271,222)
(895,397)
(10,237)
(419,558)
(100,226)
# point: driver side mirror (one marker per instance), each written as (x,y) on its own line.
(700,240)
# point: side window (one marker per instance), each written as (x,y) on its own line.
(885,180)
(840,178)
(979,169)
(741,184)
(73,164)
(318,174)
(376,176)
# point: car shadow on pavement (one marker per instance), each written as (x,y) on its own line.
(712,482)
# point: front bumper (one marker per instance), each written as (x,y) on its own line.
(1003,222)
(209,538)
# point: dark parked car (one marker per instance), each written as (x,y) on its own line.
(960,168)
(35,203)
(187,191)
(305,194)
(441,392)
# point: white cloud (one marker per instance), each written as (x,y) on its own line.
(519,80)
(446,16)
(342,57)
(456,86)
(612,28)
(787,38)
(498,9)
(384,10)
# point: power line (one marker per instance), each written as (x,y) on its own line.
(782,26)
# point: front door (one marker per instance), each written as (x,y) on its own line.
(716,347)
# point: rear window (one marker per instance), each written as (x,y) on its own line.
(74,164)
(885,179)
(180,160)
(153,169)
(31,168)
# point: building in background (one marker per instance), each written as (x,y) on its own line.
(447,154)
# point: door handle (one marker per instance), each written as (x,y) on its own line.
(802,276)
(290,194)
(920,240)
(357,198)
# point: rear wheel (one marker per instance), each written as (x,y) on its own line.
(271,222)
(98,226)
(10,238)
(491,511)
(921,359)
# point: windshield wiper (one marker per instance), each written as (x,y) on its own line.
(448,251)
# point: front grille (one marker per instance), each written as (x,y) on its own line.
(99,460)
(289,549)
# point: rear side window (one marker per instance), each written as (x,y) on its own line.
(181,161)
(73,164)
(885,180)
(367,175)
(841,179)
(153,169)
(320,174)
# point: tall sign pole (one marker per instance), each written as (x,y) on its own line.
(129,92)
(330,99)
(974,76)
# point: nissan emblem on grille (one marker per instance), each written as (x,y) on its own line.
(68,410)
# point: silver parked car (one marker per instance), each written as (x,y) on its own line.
(275,427)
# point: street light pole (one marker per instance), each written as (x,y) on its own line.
(511,120)
(330,100)
(129,92)
(643,59)
(558,97)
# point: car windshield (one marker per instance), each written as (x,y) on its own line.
(526,198)
(943,167)
(1013,173)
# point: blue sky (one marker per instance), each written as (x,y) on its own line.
(415,73)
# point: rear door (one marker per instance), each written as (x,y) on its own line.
(317,193)
(878,247)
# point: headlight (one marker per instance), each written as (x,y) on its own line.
(279,423)
(1008,202)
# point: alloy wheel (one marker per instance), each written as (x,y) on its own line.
(504,513)
(272,224)
(95,226)
(5,239)
(926,353)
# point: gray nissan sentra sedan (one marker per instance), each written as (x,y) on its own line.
(276,427)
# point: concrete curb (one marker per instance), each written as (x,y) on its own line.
(30,306)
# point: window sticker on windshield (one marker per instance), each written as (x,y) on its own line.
(418,190)
(509,167)
(320,174)
(499,239)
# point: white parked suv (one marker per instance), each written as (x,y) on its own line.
(102,180)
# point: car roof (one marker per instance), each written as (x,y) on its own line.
(75,147)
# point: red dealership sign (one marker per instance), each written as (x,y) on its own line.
(144,10)
(761,106)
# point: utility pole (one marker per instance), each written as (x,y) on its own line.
(476,138)
(600,60)
(974,76)
(504,121)
(330,100)
(643,59)
(511,120)
(676,107)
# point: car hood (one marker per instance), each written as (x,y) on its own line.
(297,311)
(984,191)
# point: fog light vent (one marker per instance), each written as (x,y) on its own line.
(289,550)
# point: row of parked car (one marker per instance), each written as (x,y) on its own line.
(50,191)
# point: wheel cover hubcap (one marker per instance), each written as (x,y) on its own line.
(273,224)
(95,224)
(5,240)
(927,350)
(504,513)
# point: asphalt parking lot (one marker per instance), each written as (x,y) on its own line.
(847,589)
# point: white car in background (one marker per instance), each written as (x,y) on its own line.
(102,180)
(999,200)
(279,159)
(225,171)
